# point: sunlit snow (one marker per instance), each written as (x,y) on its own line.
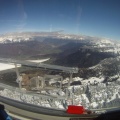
(4,66)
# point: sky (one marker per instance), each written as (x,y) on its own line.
(100,18)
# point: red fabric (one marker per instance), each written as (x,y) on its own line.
(72,109)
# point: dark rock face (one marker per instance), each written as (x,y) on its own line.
(83,58)
(76,83)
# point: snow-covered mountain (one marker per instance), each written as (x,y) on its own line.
(96,85)
(14,37)
(94,54)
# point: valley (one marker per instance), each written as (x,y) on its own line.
(98,62)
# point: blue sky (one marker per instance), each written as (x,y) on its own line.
(89,17)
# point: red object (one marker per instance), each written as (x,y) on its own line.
(72,109)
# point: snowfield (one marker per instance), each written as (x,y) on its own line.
(89,96)
(92,80)
(4,66)
(39,61)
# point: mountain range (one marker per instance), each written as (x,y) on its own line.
(92,55)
